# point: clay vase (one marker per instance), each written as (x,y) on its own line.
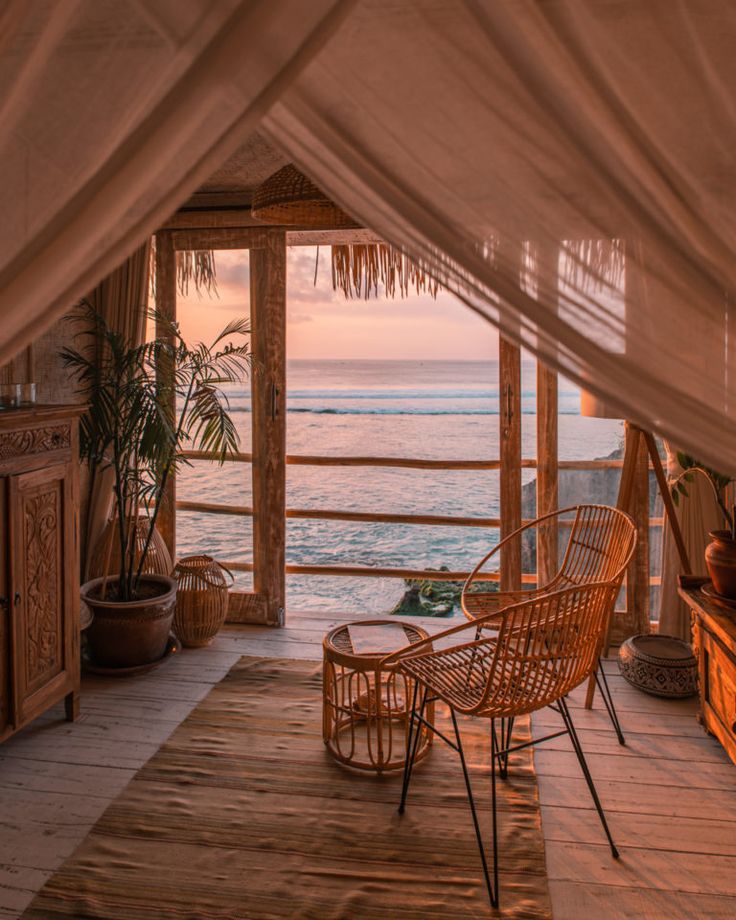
(127,634)
(720,557)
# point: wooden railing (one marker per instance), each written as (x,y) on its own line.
(432,520)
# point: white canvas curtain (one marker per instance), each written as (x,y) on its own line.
(111,113)
(458,129)
(473,134)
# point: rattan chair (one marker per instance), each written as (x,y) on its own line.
(600,538)
(542,648)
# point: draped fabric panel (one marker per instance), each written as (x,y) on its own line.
(121,299)
(475,134)
(697,515)
(112,113)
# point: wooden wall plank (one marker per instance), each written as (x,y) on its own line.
(268,319)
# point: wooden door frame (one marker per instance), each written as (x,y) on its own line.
(267,248)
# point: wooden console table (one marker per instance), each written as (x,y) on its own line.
(714,643)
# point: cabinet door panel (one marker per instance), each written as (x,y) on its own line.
(5,712)
(38,530)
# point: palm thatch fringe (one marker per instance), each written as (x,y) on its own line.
(599,263)
(196,266)
(358,269)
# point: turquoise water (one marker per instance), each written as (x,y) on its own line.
(428,409)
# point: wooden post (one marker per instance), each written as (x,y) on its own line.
(633,498)
(547,432)
(510,420)
(637,579)
(166,307)
(268,320)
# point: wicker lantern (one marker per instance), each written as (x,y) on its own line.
(201,599)
(289,197)
(105,559)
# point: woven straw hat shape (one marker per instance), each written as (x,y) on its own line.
(289,197)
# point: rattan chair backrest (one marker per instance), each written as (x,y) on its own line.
(545,647)
(600,545)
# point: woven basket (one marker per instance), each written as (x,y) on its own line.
(289,197)
(201,599)
(106,556)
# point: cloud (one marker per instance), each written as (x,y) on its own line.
(295,319)
(300,265)
(235,273)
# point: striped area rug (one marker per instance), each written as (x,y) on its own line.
(242,815)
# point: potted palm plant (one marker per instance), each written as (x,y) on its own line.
(138,424)
(720,554)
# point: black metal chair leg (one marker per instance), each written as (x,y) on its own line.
(502,746)
(492,888)
(567,718)
(494,812)
(412,743)
(605,690)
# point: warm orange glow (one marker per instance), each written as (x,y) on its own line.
(323,324)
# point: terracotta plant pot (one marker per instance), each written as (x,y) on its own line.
(720,557)
(125,634)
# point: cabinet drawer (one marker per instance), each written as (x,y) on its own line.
(30,442)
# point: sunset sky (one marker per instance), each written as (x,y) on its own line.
(323,324)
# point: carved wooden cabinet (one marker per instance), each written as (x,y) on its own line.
(39,563)
(714,644)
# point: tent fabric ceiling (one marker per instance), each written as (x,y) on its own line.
(480,137)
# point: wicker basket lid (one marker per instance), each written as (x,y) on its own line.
(289,197)
(202,570)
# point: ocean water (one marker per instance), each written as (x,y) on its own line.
(428,409)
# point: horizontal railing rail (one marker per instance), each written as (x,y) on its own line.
(369,571)
(433,520)
(415,463)
(368,517)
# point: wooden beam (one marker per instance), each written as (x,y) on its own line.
(195,221)
(633,498)
(547,433)
(268,319)
(236,238)
(166,307)
(637,590)
(510,445)
(369,571)
(417,463)
(667,503)
(329,514)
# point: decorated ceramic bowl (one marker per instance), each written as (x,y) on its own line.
(660,665)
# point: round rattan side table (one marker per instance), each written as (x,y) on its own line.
(366,709)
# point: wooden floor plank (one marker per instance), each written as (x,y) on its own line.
(649,831)
(576,900)
(691,873)
(670,793)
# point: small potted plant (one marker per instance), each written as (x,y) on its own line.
(131,429)
(720,554)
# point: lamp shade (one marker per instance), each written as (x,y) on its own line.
(289,198)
